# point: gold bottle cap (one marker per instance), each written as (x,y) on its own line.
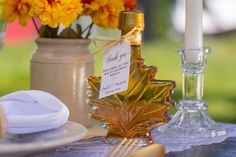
(130,19)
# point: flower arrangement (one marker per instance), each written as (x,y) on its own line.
(55,13)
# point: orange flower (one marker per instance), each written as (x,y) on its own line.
(104,13)
(87,1)
(16,8)
(130,4)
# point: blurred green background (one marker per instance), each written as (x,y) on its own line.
(158,50)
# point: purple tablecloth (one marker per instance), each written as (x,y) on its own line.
(95,147)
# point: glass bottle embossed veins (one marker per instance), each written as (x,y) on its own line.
(133,113)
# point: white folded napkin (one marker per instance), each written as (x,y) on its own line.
(32,111)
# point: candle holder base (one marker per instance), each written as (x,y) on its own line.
(192,122)
(192,119)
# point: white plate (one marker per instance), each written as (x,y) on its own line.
(11,145)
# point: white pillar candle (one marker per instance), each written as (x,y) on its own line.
(193,28)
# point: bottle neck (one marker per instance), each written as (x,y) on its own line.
(137,37)
(135,43)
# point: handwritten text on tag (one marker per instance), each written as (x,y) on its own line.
(115,69)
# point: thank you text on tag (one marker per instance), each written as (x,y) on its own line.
(115,69)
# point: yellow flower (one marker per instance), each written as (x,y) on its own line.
(54,12)
(16,8)
(71,10)
(104,13)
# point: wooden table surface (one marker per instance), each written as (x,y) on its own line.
(226,148)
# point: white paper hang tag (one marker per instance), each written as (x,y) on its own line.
(115,69)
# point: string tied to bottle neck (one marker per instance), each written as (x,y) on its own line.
(109,42)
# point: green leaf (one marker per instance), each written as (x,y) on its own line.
(69,33)
(48,32)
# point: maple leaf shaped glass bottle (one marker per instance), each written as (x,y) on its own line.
(133,113)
